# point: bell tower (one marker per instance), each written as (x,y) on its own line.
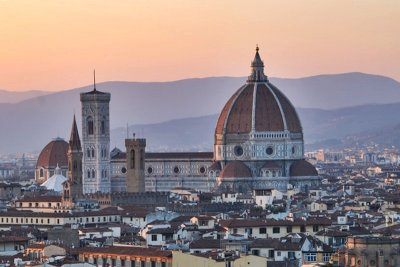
(135,162)
(96,141)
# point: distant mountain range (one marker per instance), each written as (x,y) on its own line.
(180,115)
(339,128)
(15,97)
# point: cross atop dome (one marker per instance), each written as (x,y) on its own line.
(257,69)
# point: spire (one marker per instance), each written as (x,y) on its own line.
(74,141)
(257,69)
(94,81)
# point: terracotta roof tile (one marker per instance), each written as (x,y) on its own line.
(41,199)
(268,115)
(205,243)
(235,169)
(272,110)
(292,119)
(302,168)
(131,251)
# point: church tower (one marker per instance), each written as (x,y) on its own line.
(72,188)
(135,161)
(96,141)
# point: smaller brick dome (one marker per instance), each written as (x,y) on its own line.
(235,169)
(53,153)
(302,168)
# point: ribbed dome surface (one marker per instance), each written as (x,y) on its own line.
(271,111)
(258,106)
(235,169)
(53,153)
(302,168)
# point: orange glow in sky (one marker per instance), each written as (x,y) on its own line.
(56,44)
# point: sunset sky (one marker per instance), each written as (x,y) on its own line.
(55,44)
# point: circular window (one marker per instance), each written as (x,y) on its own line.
(269,150)
(149,170)
(123,170)
(238,151)
(176,169)
(202,170)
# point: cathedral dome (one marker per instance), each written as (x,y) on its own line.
(53,153)
(258,106)
(235,169)
(302,168)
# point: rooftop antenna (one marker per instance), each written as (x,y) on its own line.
(94,79)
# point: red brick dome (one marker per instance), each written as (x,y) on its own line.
(53,153)
(302,168)
(235,169)
(269,107)
(258,106)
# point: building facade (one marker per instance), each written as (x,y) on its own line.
(166,171)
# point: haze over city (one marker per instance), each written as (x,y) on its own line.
(215,133)
(55,45)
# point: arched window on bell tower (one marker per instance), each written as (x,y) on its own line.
(132,159)
(90,128)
